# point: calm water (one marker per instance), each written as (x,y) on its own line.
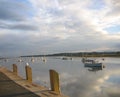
(75,79)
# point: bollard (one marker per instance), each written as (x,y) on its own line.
(15,71)
(54,81)
(28,73)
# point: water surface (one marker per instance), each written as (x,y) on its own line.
(75,79)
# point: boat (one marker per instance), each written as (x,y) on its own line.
(64,58)
(44,59)
(93,64)
(32,59)
(84,60)
(67,58)
(20,60)
(94,67)
(6,60)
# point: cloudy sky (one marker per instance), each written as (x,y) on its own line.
(52,26)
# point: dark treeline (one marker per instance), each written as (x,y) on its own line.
(82,54)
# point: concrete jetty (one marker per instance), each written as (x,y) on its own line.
(12,85)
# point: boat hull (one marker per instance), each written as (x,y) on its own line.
(93,64)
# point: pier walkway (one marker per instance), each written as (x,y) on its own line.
(12,85)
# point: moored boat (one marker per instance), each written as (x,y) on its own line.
(84,60)
(93,64)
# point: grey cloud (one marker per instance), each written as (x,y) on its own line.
(3,25)
(24,27)
(118,45)
(87,41)
(19,26)
(13,44)
(115,8)
(13,10)
(54,12)
(11,39)
(57,30)
(14,13)
(19,44)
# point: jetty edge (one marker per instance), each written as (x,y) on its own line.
(37,90)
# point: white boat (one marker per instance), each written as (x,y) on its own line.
(94,67)
(84,60)
(44,59)
(32,59)
(20,60)
(92,63)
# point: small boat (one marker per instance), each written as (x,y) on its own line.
(20,60)
(71,58)
(94,67)
(93,63)
(64,58)
(84,60)
(44,59)
(67,58)
(32,59)
(6,60)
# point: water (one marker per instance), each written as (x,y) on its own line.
(75,79)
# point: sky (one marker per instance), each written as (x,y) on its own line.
(53,26)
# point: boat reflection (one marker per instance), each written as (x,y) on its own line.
(94,68)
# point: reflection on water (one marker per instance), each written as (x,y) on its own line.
(94,69)
(76,80)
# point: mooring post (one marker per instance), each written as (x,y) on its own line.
(28,73)
(54,81)
(15,71)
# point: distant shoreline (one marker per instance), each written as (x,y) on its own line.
(81,54)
